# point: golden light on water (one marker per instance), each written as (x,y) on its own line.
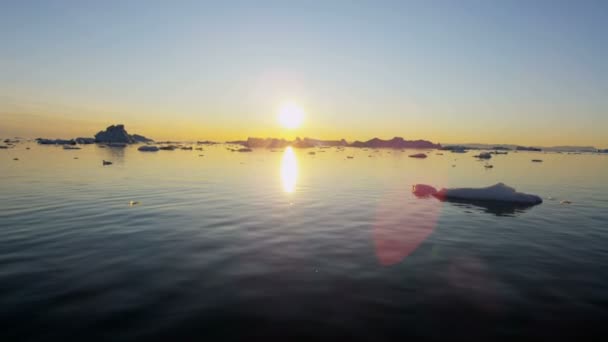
(289,170)
(291,115)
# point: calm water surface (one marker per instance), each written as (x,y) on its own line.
(284,244)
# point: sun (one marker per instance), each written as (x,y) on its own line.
(291,115)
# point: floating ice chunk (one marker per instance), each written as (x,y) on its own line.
(147,148)
(484,155)
(498,192)
(423,190)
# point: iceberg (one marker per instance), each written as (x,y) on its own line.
(484,155)
(423,190)
(495,193)
(147,148)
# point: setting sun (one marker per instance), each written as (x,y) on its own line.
(291,115)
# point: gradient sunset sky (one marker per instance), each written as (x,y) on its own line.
(524,72)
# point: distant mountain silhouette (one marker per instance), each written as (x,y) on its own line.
(525,148)
(396,142)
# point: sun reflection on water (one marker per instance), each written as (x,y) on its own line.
(289,170)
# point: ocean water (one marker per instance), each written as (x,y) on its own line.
(283,245)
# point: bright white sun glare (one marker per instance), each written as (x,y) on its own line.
(291,115)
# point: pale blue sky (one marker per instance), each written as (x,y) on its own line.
(530,72)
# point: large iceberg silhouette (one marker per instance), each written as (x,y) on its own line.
(496,193)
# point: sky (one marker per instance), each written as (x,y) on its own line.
(524,72)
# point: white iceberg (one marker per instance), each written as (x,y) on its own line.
(495,193)
(498,192)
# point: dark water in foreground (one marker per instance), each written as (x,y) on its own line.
(277,245)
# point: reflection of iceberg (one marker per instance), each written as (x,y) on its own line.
(289,170)
(492,207)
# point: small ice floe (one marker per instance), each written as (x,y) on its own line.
(75,157)
(565,202)
(484,155)
(459,150)
(496,193)
(537,160)
(148,148)
(418,155)
(187,148)
(199,149)
(133,203)
(105,162)
(69,147)
(350,157)
(423,190)
(3,147)
(489,166)
(15,158)
(244,149)
(167,148)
